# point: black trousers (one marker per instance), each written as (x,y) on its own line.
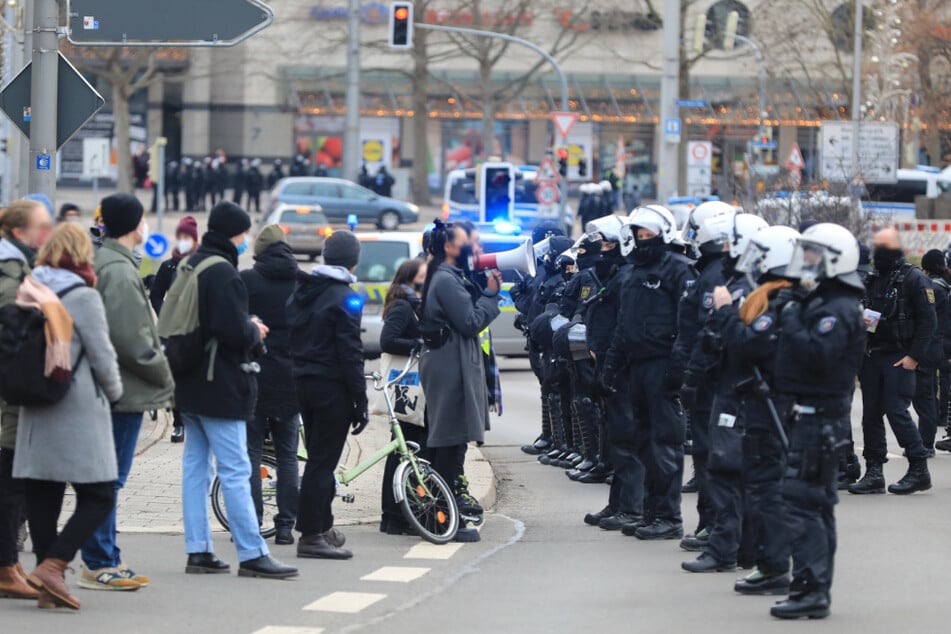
(449,462)
(925,403)
(11,509)
(285,435)
(700,433)
(44,502)
(887,391)
(944,398)
(724,482)
(764,464)
(327,411)
(411,433)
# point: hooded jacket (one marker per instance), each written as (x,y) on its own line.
(13,268)
(324,315)
(270,285)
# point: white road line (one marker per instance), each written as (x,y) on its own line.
(345,602)
(425,550)
(282,629)
(396,574)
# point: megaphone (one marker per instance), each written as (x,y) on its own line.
(521,258)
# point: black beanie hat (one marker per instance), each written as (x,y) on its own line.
(342,249)
(121,214)
(228,219)
(933,261)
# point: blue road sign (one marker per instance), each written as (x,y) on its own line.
(691,103)
(672,130)
(156,245)
(759,145)
(43,162)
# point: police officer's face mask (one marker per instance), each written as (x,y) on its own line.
(885,259)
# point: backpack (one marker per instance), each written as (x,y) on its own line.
(178,324)
(23,358)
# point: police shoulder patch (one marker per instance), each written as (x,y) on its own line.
(585,292)
(929,293)
(708,300)
(826,324)
(737,294)
(763,323)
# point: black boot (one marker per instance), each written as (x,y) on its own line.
(595,476)
(205,563)
(178,433)
(872,482)
(917,478)
(708,563)
(467,504)
(619,521)
(849,472)
(593,519)
(945,443)
(661,529)
(690,486)
(813,605)
(318,547)
(762,583)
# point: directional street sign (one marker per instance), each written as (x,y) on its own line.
(166,23)
(156,246)
(76,104)
(690,103)
(564,121)
(877,151)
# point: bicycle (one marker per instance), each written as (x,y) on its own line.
(425,498)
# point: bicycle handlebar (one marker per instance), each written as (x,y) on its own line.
(377,378)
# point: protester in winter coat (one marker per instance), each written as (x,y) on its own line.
(146,378)
(400,337)
(71,440)
(24,227)
(270,283)
(216,399)
(324,314)
(452,373)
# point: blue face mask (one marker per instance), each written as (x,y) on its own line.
(243,246)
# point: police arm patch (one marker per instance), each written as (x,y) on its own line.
(708,300)
(929,294)
(826,324)
(762,324)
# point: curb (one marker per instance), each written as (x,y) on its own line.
(152,432)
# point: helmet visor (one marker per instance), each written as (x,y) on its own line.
(752,259)
(808,262)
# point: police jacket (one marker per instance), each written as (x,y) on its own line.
(581,291)
(941,347)
(601,315)
(821,345)
(647,317)
(694,310)
(905,298)
(731,369)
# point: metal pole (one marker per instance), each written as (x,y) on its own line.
(43,98)
(160,186)
(857,87)
(351,133)
(761,71)
(517,40)
(668,164)
(23,143)
(8,59)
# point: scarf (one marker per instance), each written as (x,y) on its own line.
(85,271)
(757,302)
(28,252)
(58,328)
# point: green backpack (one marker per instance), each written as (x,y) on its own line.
(178,325)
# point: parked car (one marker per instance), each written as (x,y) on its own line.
(306,227)
(382,253)
(341,198)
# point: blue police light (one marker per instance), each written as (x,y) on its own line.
(352,221)
(506,228)
(354,304)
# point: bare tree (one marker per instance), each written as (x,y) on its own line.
(926,25)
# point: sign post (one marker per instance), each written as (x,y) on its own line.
(96,151)
(699,168)
(795,165)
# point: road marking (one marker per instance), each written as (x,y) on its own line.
(425,550)
(396,574)
(282,629)
(345,602)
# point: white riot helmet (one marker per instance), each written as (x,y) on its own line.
(693,233)
(769,251)
(585,188)
(826,251)
(605,186)
(653,217)
(736,230)
(608,226)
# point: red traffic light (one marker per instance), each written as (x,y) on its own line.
(562,153)
(401,13)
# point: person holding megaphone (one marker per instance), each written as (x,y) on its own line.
(454,312)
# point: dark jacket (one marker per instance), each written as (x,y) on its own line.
(400,334)
(223,315)
(695,309)
(270,285)
(942,305)
(908,318)
(324,315)
(162,282)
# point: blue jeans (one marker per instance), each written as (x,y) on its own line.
(101,550)
(227,441)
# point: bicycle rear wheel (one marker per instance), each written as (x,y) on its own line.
(268,471)
(434,515)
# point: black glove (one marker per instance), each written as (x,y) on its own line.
(786,295)
(360,419)
(609,382)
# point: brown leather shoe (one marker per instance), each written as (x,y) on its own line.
(13,586)
(49,578)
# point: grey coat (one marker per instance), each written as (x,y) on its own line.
(453,377)
(71,441)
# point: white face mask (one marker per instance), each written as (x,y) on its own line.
(144,233)
(185,246)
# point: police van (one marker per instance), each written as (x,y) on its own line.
(381,255)
(891,199)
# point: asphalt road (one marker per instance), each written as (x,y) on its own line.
(537,569)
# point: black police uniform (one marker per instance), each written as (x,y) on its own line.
(724,431)
(255,182)
(240,185)
(942,290)
(764,456)
(276,174)
(820,350)
(926,376)
(696,369)
(637,365)
(173,185)
(905,298)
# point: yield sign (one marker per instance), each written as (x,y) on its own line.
(547,172)
(564,121)
(77,101)
(795,162)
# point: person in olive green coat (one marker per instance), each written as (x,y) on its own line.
(24,226)
(146,377)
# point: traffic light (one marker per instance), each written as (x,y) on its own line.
(156,158)
(563,162)
(401,25)
(497,191)
(582,167)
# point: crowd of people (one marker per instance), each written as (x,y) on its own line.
(738,344)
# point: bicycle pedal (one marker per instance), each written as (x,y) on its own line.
(475,520)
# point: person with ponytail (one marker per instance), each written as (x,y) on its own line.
(748,334)
(453,314)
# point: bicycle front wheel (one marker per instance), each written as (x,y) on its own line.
(428,504)
(268,474)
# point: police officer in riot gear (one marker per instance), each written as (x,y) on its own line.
(749,333)
(904,299)
(725,460)
(276,173)
(689,364)
(173,185)
(648,431)
(820,350)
